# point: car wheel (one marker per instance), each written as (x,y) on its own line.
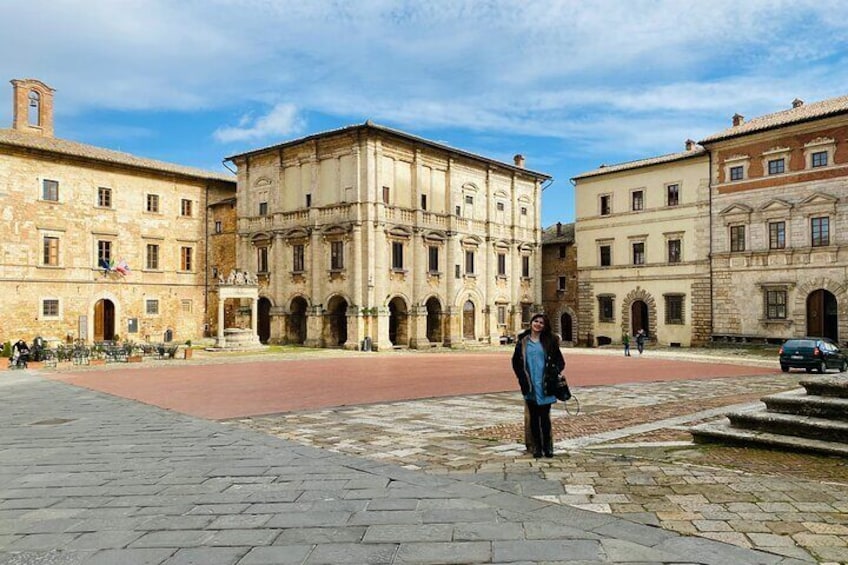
(784,368)
(843,367)
(822,367)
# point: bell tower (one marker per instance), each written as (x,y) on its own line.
(32,107)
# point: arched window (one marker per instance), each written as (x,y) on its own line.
(34,109)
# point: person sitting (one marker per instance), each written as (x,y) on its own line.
(20,354)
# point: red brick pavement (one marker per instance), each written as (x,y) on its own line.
(233,390)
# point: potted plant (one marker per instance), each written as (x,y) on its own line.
(187,349)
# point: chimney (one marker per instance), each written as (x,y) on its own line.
(32,107)
(559,228)
(690,144)
(519,160)
(797,102)
(738,119)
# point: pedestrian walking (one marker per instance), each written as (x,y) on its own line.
(537,350)
(625,339)
(640,340)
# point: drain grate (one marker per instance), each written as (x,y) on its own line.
(52,422)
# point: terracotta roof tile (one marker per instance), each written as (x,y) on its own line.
(607,169)
(83,151)
(801,113)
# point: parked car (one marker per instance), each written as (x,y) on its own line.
(819,353)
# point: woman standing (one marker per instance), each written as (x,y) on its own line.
(535,350)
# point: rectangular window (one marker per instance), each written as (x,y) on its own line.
(50,190)
(104,197)
(456,273)
(737,238)
(263,208)
(152,259)
(820,228)
(433,259)
(524,210)
(605,309)
(219,227)
(50,254)
(50,308)
(561,284)
(308,200)
(423,201)
(776,166)
(151,307)
(297,258)
(776,304)
(185,207)
(262,259)
(469,200)
(397,255)
(737,172)
(674,249)
(606,255)
(777,235)
(501,315)
(501,264)
(469,262)
(525,266)
(606,209)
(186,306)
(153,203)
(562,250)
(104,253)
(674,309)
(639,253)
(500,206)
(672,194)
(819,159)
(386,194)
(337,255)
(638,200)
(525,313)
(186,256)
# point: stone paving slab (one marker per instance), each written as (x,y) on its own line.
(130,443)
(623,456)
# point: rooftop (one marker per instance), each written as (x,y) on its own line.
(696,151)
(90,152)
(558,233)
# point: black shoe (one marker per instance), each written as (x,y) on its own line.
(537,454)
(549,454)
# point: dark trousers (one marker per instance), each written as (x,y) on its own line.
(540,427)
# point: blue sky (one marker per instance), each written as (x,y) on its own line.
(568,84)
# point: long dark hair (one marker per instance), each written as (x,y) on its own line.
(547,336)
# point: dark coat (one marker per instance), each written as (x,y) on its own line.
(553,361)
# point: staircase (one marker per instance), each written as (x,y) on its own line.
(811,419)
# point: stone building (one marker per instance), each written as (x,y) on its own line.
(98,244)
(779,219)
(366,235)
(559,280)
(642,236)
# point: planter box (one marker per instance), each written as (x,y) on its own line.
(134,359)
(97,362)
(187,353)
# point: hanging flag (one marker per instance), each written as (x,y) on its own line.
(122,267)
(104,264)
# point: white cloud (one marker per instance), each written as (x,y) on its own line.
(282,120)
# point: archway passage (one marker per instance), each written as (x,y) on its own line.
(468,320)
(263,326)
(638,317)
(567,327)
(296,331)
(822,317)
(398,322)
(434,320)
(335,331)
(104,320)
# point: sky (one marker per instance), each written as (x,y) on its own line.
(568,84)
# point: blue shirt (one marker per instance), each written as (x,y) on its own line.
(535,362)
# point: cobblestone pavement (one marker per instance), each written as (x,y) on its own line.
(627,453)
(92,479)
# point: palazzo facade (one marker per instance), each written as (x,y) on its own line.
(98,244)
(779,213)
(368,236)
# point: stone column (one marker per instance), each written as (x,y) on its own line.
(254,316)
(221,341)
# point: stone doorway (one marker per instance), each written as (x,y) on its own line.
(638,317)
(335,331)
(468,321)
(104,320)
(263,327)
(434,320)
(297,321)
(822,317)
(398,322)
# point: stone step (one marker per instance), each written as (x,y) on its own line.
(723,432)
(800,403)
(791,425)
(831,385)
